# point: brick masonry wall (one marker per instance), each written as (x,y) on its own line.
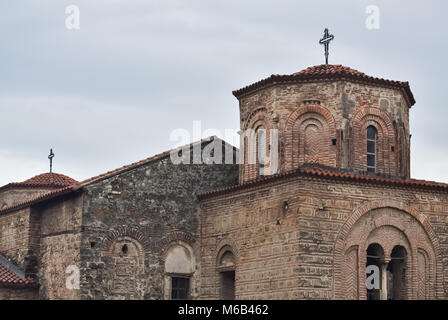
(148,209)
(60,246)
(310,115)
(15,236)
(302,251)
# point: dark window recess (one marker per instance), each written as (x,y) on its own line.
(228,285)
(333,141)
(179,288)
(124,249)
(371,133)
(372,136)
(392,148)
(370,160)
(370,146)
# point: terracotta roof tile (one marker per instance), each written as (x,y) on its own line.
(9,277)
(328,71)
(50,179)
(44,180)
(77,185)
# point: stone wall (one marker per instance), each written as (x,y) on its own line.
(133,219)
(60,247)
(326,122)
(292,239)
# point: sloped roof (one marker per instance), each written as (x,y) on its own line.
(44,180)
(328,72)
(11,275)
(77,185)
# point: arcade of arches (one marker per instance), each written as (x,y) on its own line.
(398,247)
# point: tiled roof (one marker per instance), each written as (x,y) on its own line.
(155,157)
(8,276)
(333,174)
(77,185)
(330,72)
(44,180)
(51,179)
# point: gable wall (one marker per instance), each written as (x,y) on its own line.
(149,209)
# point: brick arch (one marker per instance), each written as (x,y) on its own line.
(295,134)
(175,237)
(227,243)
(387,137)
(362,113)
(258,119)
(124,271)
(365,208)
(126,232)
(258,115)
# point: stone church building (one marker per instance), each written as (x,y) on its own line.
(342,199)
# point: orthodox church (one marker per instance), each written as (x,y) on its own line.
(340,207)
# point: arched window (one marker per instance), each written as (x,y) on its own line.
(179,269)
(372,136)
(226,269)
(375,264)
(261,150)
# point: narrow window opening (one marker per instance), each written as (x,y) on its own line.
(180,287)
(228,285)
(333,142)
(372,136)
(125,249)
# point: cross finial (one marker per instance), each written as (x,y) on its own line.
(326,42)
(51,156)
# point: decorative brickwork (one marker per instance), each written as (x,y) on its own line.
(308,137)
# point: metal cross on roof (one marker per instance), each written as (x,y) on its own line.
(51,156)
(326,42)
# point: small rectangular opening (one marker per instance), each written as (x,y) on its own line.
(228,285)
(333,142)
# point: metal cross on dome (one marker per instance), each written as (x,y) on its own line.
(326,42)
(51,156)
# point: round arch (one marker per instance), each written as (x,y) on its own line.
(341,245)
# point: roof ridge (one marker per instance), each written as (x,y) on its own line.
(328,173)
(77,185)
(324,72)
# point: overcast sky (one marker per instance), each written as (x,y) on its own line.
(111,92)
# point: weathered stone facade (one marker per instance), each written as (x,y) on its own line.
(341,200)
(149,209)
